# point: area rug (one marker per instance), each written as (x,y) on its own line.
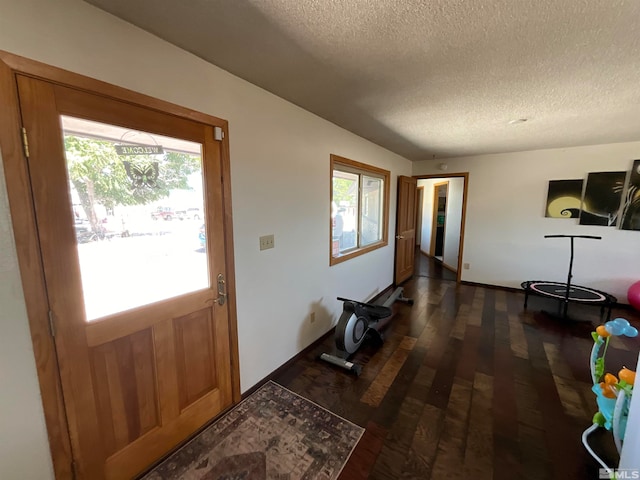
(273,434)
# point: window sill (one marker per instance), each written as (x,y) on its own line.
(356,253)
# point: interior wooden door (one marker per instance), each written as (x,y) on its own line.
(138,302)
(405,228)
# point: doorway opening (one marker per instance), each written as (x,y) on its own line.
(438,220)
(441,206)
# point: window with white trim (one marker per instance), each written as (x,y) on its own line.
(359,208)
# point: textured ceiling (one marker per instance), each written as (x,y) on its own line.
(427,78)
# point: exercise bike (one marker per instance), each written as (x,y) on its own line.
(359,321)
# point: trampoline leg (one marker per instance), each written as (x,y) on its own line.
(526,299)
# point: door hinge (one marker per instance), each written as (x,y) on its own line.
(218,133)
(25,142)
(52,325)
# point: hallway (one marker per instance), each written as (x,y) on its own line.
(426,266)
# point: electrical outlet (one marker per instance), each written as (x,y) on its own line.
(465,266)
(267,242)
(312,317)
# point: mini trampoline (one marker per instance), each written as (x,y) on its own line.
(567,293)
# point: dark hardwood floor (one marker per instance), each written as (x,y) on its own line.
(426,266)
(468,385)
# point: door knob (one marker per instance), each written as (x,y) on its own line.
(399,237)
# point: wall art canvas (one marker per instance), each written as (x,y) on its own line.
(601,201)
(564,199)
(631,203)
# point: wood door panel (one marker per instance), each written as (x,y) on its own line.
(124,380)
(159,441)
(405,228)
(115,326)
(195,360)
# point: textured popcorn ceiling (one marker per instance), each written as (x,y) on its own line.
(430,77)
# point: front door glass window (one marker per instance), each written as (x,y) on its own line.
(138,215)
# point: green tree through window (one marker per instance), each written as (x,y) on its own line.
(98,175)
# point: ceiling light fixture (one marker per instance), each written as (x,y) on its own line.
(517,120)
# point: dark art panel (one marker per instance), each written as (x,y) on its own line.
(631,204)
(602,197)
(564,198)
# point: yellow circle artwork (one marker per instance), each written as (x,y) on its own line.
(560,207)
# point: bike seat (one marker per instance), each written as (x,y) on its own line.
(374,312)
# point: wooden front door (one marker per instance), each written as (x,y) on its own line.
(405,228)
(130,210)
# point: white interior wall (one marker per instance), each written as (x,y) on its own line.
(280,182)
(427,213)
(505,222)
(454,222)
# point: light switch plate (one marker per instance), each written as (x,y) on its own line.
(266,242)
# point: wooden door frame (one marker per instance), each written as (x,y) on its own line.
(434,219)
(463,221)
(21,207)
